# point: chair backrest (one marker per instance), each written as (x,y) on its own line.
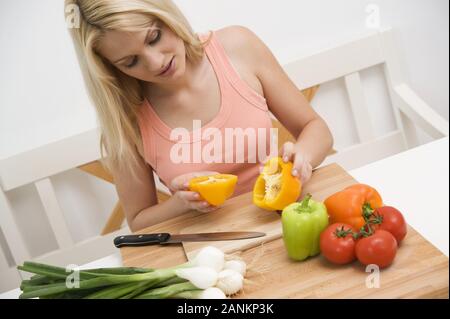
(347,60)
(37,167)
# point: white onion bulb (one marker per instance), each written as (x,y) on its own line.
(230,281)
(201,277)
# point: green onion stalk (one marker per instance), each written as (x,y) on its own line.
(200,278)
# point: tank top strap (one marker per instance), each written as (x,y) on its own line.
(217,51)
(148,136)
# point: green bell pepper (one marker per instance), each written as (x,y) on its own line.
(302,224)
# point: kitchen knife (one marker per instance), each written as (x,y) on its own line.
(166,238)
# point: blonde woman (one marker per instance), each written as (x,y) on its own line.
(148,73)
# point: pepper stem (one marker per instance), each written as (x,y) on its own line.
(305,201)
(367,211)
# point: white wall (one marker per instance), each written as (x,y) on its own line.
(43,97)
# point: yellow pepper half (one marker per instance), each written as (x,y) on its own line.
(275,187)
(215,189)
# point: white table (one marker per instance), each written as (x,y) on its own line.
(415,182)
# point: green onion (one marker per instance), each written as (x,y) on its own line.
(167,292)
(196,279)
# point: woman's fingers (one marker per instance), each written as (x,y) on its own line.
(301,169)
(194,201)
(306,173)
(297,166)
(287,151)
(203,206)
(178,183)
(189,196)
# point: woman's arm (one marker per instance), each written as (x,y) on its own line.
(139,200)
(314,142)
(172,207)
(140,203)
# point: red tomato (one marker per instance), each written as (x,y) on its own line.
(379,248)
(392,221)
(337,243)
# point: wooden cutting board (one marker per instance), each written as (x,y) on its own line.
(419,270)
(242,215)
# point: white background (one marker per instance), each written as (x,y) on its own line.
(43,97)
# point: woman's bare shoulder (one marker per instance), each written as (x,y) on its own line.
(234,36)
(236,41)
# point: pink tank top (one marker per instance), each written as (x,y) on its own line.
(241,108)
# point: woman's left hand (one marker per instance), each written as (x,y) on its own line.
(302,168)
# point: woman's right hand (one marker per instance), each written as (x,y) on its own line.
(191,200)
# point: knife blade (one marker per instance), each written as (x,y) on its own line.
(166,238)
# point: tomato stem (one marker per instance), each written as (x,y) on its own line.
(376,219)
(367,211)
(371,218)
(341,232)
(365,231)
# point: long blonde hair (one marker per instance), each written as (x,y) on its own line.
(115,95)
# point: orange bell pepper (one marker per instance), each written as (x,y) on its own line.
(275,187)
(353,204)
(214,189)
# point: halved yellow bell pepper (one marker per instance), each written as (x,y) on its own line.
(275,187)
(214,189)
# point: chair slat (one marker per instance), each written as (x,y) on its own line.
(361,115)
(11,231)
(394,73)
(54,213)
(9,279)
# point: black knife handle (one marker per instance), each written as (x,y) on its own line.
(141,240)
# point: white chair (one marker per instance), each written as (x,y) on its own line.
(37,167)
(344,60)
